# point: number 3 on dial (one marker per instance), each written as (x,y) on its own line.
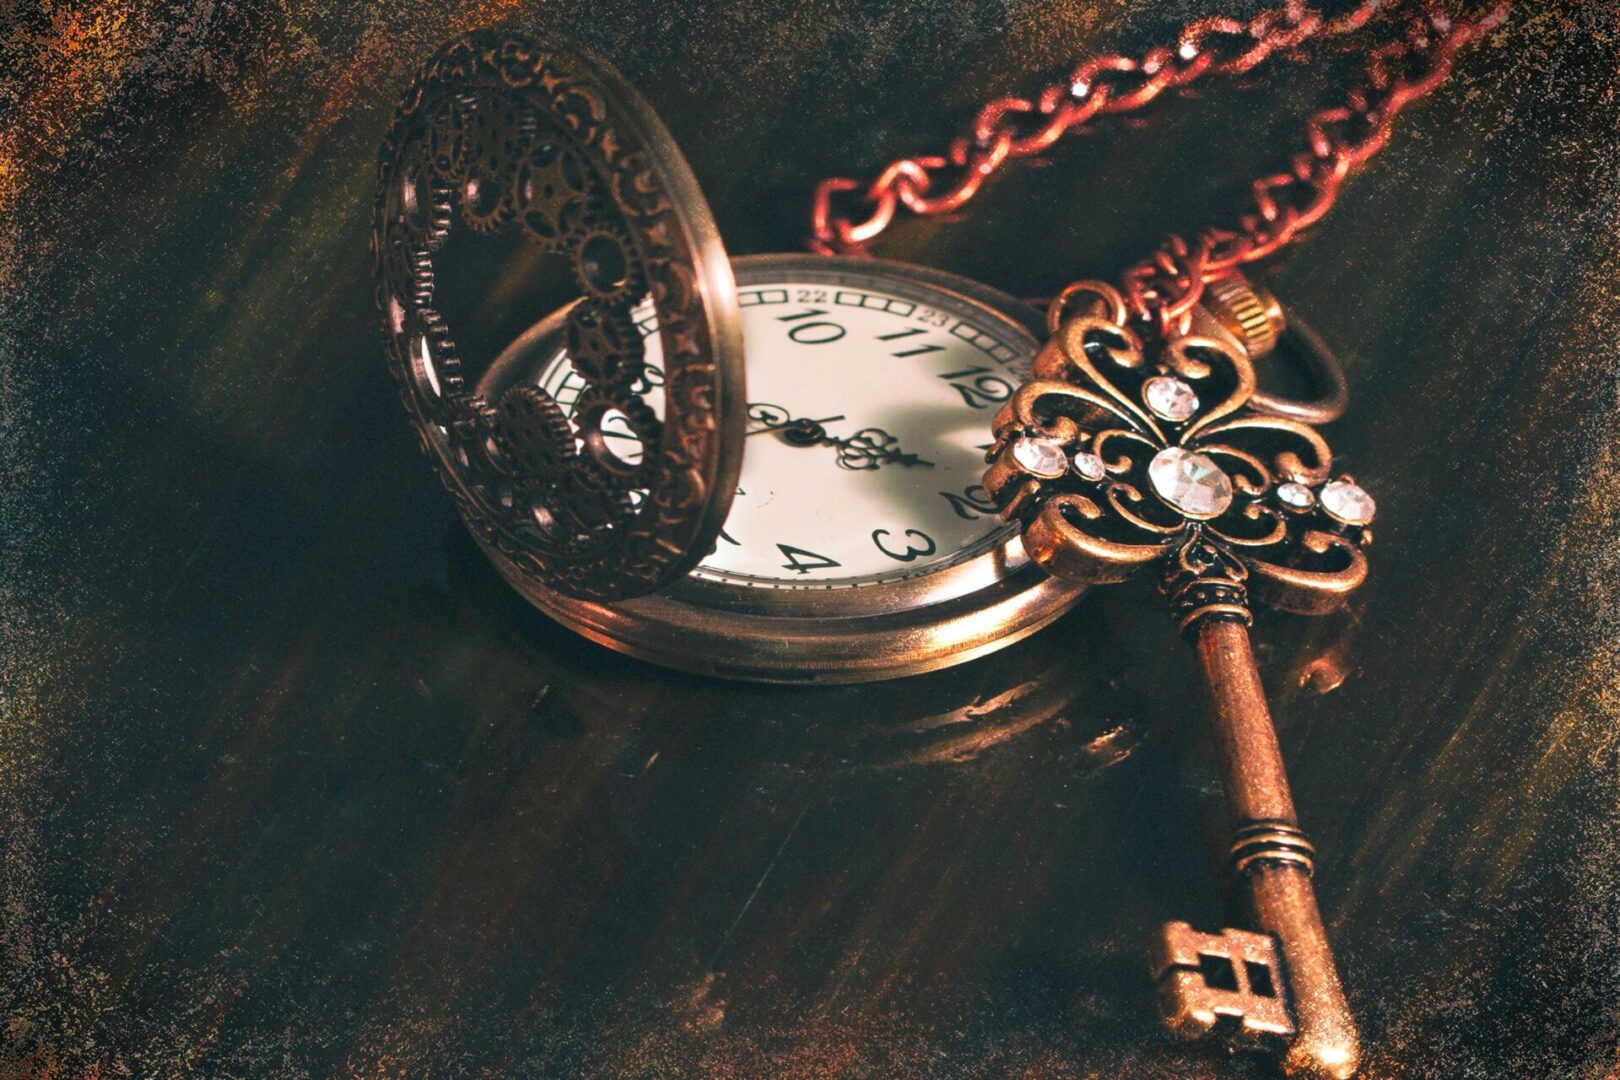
(928,547)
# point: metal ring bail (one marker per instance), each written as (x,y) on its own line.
(1303,346)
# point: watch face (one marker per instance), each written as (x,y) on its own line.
(871,393)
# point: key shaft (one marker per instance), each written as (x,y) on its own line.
(1270,854)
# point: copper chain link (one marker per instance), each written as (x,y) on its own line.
(1162,288)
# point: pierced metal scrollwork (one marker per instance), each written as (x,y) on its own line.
(501,130)
(1115,461)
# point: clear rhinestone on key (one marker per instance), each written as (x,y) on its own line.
(1043,457)
(1348,503)
(1170,398)
(1295,496)
(1089,466)
(1190,482)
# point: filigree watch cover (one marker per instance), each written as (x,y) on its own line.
(501,131)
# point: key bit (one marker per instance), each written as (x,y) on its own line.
(1227,983)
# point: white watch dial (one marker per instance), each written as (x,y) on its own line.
(870,403)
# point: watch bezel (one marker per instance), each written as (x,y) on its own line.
(988,598)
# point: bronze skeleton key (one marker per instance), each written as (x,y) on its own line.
(1273,860)
(1116,458)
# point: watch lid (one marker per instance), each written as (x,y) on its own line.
(502,130)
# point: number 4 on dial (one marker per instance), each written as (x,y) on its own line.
(802,561)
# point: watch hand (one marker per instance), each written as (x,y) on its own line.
(786,424)
(871,447)
(864,450)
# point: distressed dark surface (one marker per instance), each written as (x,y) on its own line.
(291,785)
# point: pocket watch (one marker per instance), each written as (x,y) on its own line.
(816,514)
(860,542)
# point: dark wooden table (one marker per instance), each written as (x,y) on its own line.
(291,785)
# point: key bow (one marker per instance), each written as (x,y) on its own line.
(1115,461)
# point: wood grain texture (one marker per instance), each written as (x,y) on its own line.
(291,785)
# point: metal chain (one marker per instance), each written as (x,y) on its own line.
(1163,288)
(1008,128)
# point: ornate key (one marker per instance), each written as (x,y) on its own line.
(1116,459)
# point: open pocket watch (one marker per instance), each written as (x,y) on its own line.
(822,519)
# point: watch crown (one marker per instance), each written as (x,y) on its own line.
(1247,311)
